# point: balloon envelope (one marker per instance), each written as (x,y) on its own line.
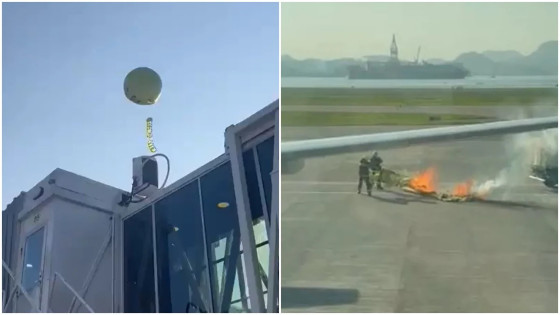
(142,86)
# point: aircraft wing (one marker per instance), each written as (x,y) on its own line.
(359,143)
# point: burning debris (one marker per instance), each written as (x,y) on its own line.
(463,189)
(425,183)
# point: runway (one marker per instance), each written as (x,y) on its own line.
(398,252)
(508,112)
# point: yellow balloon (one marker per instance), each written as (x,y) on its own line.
(142,86)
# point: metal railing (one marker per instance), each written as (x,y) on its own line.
(34,306)
(76,295)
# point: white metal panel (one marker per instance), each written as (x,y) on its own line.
(155,256)
(79,235)
(253,125)
(273,271)
(245,222)
(210,306)
(72,187)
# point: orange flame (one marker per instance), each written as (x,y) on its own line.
(424,182)
(463,189)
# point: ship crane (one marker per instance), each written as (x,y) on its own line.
(418,55)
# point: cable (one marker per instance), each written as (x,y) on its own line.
(137,201)
(168,166)
(145,186)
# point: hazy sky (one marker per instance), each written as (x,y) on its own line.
(63,103)
(444,30)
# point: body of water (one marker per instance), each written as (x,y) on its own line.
(469,82)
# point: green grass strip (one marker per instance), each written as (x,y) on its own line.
(419,97)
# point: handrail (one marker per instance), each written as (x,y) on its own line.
(29,299)
(56,274)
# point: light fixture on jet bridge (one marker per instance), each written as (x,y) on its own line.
(223,205)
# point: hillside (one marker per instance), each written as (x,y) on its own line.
(316,67)
(543,61)
(502,55)
(544,58)
(476,63)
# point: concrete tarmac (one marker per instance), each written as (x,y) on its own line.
(399,252)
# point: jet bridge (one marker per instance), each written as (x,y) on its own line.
(206,243)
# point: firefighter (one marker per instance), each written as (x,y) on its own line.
(364,176)
(375,166)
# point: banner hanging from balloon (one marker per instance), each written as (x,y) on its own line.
(151,145)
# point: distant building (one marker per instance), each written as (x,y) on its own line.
(206,243)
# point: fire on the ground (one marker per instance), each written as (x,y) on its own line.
(425,183)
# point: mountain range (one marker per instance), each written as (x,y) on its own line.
(543,61)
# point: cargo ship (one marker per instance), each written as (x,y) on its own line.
(394,69)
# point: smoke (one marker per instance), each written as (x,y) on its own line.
(523,151)
(484,188)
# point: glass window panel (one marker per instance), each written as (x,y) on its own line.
(241,291)
(259,228)
(263,255)
(222,233)
(182,270)
(139,284)
(236,295)
(252,184)
(265,152)
(32,260)
(261,240)
(219,250)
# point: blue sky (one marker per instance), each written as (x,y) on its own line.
(62,84)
